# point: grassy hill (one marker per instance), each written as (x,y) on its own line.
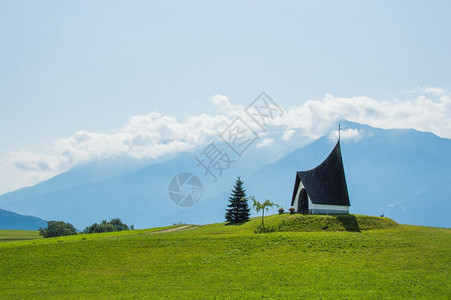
(380,259)
(298,222)
(18,235)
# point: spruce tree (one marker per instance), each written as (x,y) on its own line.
(238,210)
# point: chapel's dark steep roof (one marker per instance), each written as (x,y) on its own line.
(325,184)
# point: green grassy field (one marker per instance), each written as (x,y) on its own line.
(18,235)
(378,259)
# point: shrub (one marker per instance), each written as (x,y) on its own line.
(57,228)
(264,229)
(118,225)
(292,210)
(105,226)
(281,210)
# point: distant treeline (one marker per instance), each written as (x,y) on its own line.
(60,228)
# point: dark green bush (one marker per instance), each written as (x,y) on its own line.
(108,226)
(57,228)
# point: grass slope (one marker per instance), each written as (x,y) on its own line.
(356,223)
(231,262)
(18,235)
(298,222)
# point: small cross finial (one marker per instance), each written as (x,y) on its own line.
(339,130)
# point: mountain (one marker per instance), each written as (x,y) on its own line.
(10,220)
(93,171)
(139,198)
(403,174)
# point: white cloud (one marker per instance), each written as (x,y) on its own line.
(154,135)
(434,90)
(265,143)
(223,103)
(346,134)
(25,168)
(27,161)
(288,134)
(315,117)
(149,136)
(427,89)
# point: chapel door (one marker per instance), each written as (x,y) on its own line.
(303,202)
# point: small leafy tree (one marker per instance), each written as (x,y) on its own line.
(262,207)
(118,225)
(57,228)
(238,210)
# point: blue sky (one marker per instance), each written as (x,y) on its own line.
(68,66)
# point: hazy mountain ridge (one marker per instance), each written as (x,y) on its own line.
(93,171)
(403,174)
(139,198)
(11,220)
(400,173)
